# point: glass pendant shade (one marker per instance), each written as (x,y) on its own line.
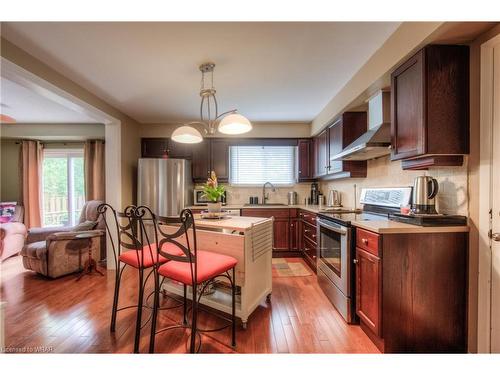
(186,134)
(235,124)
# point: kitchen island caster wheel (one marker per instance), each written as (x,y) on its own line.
(268,298)
(244,325)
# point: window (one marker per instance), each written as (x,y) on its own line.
(62,186)
(255,165)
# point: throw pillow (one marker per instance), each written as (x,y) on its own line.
(7,211)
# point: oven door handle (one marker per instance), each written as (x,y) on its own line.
(335,229)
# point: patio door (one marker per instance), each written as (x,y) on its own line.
(62,186)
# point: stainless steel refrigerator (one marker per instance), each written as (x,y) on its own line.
(165,185)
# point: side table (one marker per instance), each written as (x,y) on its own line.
(90,264)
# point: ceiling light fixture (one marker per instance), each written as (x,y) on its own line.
(231,123)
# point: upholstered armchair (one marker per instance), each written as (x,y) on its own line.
(55,252)
(12,235)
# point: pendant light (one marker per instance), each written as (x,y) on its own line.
(234,124)
(231,123)
(186,134)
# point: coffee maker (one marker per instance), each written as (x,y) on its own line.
(425,189)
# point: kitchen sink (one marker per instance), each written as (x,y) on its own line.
(264,204)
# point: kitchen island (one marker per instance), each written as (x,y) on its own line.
(247,239)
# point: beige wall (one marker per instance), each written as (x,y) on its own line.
(130,145)
(260,130)
(53,135)
(9,175)
(65,132)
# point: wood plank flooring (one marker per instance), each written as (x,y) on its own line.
(65,316)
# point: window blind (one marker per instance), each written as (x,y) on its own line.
(255,165)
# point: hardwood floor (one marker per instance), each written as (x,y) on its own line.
(65,316)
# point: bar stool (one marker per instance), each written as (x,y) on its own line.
(130,233)
(191,268)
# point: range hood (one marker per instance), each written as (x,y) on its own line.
(376,142)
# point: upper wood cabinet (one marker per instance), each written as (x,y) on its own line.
(200,161)
(154,147)
(305,160)
(219,158)
(344,131)
(333,140)
(430,107)
(321,154)
(208,155)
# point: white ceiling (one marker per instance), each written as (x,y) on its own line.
(268,71)
(26,106)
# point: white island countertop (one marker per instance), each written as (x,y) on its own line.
(237,223)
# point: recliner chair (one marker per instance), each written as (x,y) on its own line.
(55,252)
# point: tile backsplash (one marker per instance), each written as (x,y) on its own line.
(241,195)
(453,184)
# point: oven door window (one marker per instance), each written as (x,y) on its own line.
(330,252)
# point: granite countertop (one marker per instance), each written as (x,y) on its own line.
(377,226)
(394,227)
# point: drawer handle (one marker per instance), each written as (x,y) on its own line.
(365,241)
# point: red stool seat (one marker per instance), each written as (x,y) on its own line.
(150,255)
(209,265)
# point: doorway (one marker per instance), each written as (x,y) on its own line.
(489,246)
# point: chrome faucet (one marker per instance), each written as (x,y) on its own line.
(265,196)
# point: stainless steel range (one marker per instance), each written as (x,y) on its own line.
(336,243)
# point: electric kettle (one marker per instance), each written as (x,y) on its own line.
(425,189)
(334,199)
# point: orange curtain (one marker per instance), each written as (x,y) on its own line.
(31,178)
(93,156)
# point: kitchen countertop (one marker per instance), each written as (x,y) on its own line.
(394,227)
(237,223)
(377,226)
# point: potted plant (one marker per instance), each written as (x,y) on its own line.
(213,192)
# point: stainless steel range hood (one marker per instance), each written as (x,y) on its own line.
(376,142)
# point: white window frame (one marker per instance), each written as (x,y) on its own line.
(294,168)
(69,154)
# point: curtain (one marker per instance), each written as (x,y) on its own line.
(31,182)
(93,161)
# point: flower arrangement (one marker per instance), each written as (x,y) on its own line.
(212,190)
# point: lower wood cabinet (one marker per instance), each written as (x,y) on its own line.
(308,237)
(281,240)
(281,227)
(368,290)
(411,290)
(295,229)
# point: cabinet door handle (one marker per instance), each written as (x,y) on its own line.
(355,261)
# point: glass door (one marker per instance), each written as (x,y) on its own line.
(62,186)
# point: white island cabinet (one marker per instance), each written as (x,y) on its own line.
(249,240)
